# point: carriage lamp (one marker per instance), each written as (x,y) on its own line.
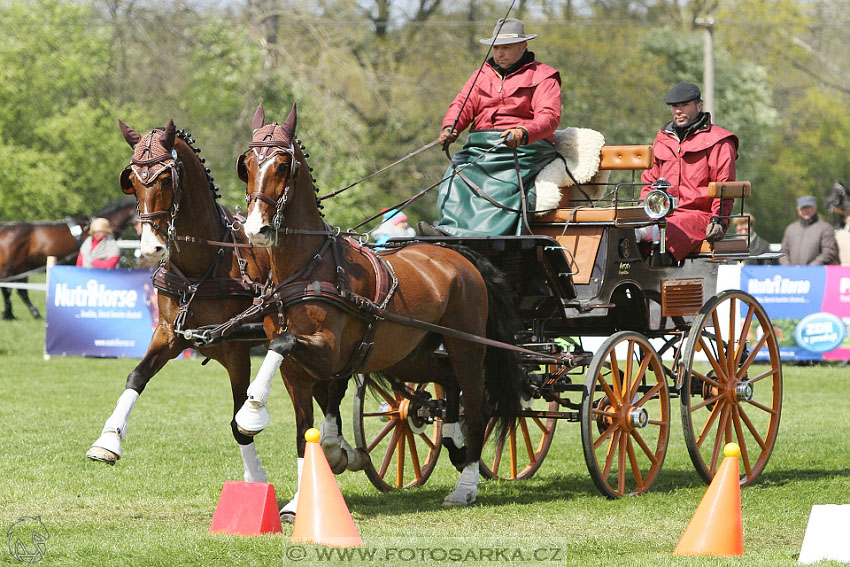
(659,203)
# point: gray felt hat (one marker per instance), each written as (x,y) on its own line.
(508,31)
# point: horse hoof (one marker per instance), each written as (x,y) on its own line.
(102,455)
(359,461)
(460,497)
(287,516)
(252,418)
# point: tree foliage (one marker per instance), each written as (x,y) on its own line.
(372,80)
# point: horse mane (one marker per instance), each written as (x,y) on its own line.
(115,205)
(305,155)
(190,141)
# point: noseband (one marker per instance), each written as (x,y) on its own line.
(264,150)
(147,171)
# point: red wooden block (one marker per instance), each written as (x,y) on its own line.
(246,508)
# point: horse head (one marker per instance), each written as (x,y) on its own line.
(154,176)
(273,169)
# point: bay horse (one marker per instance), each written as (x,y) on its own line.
(328,286)
(25,246)
(199,283)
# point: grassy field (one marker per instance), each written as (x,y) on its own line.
(154,507)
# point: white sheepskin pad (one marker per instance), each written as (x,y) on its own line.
(581,149)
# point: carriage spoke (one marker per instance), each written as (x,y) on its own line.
(769,373)
(730,345)
(639,378)
(621,464)
(652,391)
(742,339)
(635,466)
(718,369)
(392,423)
(627,375)
(718,439)
(718,337)
(604,435)
(752,356)
(427,440)
(616,379)
(762,407)
(541,425)
(706,402)
(399,462)
(615,403)
(751,427)
(513,453)
(710,381)
(497,460)
(385,464)
(715,411)
(609,458)
(529,446)
(414,454)
(741,442)
(644,447)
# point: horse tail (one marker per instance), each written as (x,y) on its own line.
(503,375)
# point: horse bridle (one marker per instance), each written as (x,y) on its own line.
(147,171)
(263,150)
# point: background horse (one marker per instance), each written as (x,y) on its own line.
(838,203)
(179,211)
(328,285)
(25,246)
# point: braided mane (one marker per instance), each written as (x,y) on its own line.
(190,141)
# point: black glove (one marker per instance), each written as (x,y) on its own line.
(447,136)
(715,231)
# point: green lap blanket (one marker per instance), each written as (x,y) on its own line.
(463,212)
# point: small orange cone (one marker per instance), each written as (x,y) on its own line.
(322,516)
(716,527)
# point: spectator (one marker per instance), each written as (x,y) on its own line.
(808,241)
(689,152)
(744,226)
(513,105)
(395,224)
(99,250)
(842,239)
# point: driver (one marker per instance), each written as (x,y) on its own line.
(514,104)
(689,152)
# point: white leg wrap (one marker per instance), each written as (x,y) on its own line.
(466,489)
(107,448)
(117,422)
(253,416)
(453,431)
(330,442)
(289,509)
(254,471)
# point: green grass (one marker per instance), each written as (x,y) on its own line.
(155,506)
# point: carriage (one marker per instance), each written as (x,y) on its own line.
(415,331)
(660,333)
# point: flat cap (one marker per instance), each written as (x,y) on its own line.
(683,92)
(806,201)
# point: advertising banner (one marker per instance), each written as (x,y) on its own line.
(809,307)
(99,313)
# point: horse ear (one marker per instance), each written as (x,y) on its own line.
(259,118)
(167,137)
(242,169)
(289,124)
(130,135)
(126,183)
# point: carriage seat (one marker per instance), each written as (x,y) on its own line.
(731,244)
(579,229)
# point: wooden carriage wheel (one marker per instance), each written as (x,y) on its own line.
(521,452)
(402,446)
(625,415)
(728,398)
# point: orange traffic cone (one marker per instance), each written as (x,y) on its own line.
(322,516)
(716,527)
